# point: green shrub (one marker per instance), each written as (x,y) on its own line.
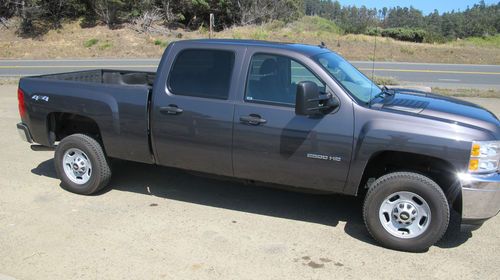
(388,81)
(406,50)
(260,34)
(402,34)
(203,30)
(432,37)
(105,45)
(275,25)
(90,43)
(485,41)
(160,43)
(374,31)
(236,35)
(405,34)
(316,23)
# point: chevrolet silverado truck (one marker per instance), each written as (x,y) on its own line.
(282,114)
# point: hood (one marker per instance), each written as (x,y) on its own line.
(442,108)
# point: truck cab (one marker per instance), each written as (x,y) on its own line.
(238,115)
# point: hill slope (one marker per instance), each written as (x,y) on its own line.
(72,41)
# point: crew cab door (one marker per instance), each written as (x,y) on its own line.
(273,144)
(192,113)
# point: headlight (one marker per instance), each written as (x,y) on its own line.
(484,156)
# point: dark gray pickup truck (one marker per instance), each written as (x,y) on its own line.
(284,114)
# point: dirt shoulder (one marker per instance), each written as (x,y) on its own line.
(73,41)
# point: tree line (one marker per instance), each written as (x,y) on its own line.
(409,23)
(190,14)
(403,23)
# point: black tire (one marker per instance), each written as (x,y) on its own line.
(100,173)
(420,185)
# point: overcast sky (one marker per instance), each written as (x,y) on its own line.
(427,6)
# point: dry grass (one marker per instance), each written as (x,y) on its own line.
(9,81)
(361,47)
(467,92)
(382,80)
(72,41)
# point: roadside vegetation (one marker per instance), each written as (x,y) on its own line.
(388,81)
(400,23)
(467,92)
(143,28)
(9,81)
(490,41)
(89,43)
(71,40)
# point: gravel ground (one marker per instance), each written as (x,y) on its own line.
(158,222)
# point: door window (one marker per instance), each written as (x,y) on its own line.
(274,79)
(202,73)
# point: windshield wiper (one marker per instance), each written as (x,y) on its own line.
(384,93)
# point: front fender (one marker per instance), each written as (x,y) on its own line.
(379,131)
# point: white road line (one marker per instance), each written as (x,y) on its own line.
(421,63)
(449,80)
(158,59)
(81,60)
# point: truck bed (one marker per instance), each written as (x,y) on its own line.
(115,100)
(104,76)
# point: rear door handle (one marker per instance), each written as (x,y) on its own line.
(171,109)
(252,119)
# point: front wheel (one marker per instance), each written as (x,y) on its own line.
(81,164)
(406,211)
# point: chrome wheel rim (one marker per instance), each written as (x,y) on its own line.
(405,214)
(77,166)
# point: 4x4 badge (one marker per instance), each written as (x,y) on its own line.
(40,97)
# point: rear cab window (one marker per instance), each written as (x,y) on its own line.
(202,73)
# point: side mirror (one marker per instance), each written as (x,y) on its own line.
(309,100)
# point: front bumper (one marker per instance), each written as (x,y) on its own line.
(480,197)
(24,132)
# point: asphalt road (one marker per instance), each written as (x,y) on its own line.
(161,223)
(436,75)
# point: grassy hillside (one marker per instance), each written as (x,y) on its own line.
(72,41)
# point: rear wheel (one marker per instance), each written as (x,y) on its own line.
(406,211)
(81,164)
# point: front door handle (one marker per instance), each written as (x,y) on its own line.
(252,119)
(171,109)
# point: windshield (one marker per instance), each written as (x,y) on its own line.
(351,79)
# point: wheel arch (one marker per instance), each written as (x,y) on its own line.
(441,171)
(62,124)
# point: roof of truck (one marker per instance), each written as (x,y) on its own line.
(308,50)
